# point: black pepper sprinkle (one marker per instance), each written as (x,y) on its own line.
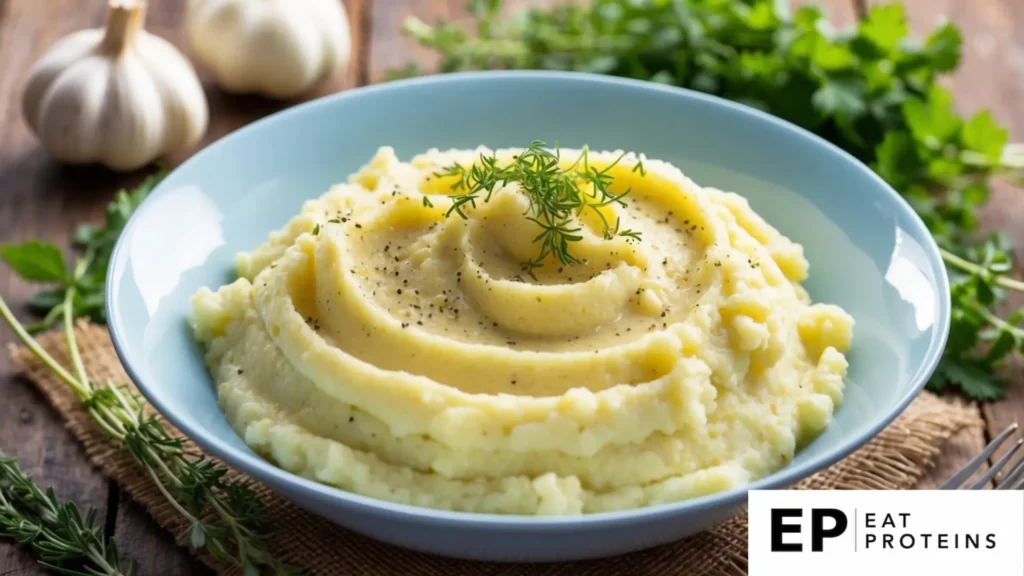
(239,371)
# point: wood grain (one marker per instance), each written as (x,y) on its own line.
(38,199)
(42,199)
(153,548)
(991,76)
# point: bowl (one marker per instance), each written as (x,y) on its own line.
(868,253)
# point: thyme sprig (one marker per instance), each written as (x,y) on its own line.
(65,541)
(556,196)
(225,517)
(872,90)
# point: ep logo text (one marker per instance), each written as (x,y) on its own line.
(852,533)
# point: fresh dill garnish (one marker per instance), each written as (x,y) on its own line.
(556,195)
(427,203)
(316,229)
(334,221)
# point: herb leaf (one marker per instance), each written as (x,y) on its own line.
(226,515)
(982,134)
(871,90)
(41,262)
(36,261)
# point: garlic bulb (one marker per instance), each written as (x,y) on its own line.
(277,48)
(120,96)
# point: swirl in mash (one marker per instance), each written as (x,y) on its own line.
(377,345)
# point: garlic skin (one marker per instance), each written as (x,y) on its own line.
(119,96)
(276,48)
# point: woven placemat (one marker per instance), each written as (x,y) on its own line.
(896,459)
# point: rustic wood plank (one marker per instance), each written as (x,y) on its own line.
(153,548)
(989,77)
(150,545)
(959,450)
(992,78)
(38,199)
(41,199)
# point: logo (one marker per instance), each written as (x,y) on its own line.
(806,532)
(818,531)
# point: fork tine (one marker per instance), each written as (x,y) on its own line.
(957,479)
(991,473)
(1015,473)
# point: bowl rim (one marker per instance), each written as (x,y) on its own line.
(263,471)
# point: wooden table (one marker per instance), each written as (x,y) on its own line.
(41,199)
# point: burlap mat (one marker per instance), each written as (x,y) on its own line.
(896,459)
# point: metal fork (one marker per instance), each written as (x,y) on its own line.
(1012,479)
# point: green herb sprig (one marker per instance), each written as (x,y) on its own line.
(226,518)
(65,541)
(871,90)
(44,263)
(556,195)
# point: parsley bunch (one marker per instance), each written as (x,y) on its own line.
(871,90)
(44,263)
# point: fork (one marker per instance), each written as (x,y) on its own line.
(1013,479)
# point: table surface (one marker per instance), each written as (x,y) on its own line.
(42,199)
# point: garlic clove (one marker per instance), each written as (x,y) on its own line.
(334,29)
(71,110)
(184,102)
(133,116)
(62,55)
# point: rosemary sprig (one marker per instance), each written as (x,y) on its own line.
(226,518)
(556,195)
(66,541)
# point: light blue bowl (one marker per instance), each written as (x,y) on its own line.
(869,253)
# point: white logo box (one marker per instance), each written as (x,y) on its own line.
(905,533)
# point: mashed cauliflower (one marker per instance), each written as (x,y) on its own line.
(379,345)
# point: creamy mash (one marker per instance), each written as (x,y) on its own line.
(380,345)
